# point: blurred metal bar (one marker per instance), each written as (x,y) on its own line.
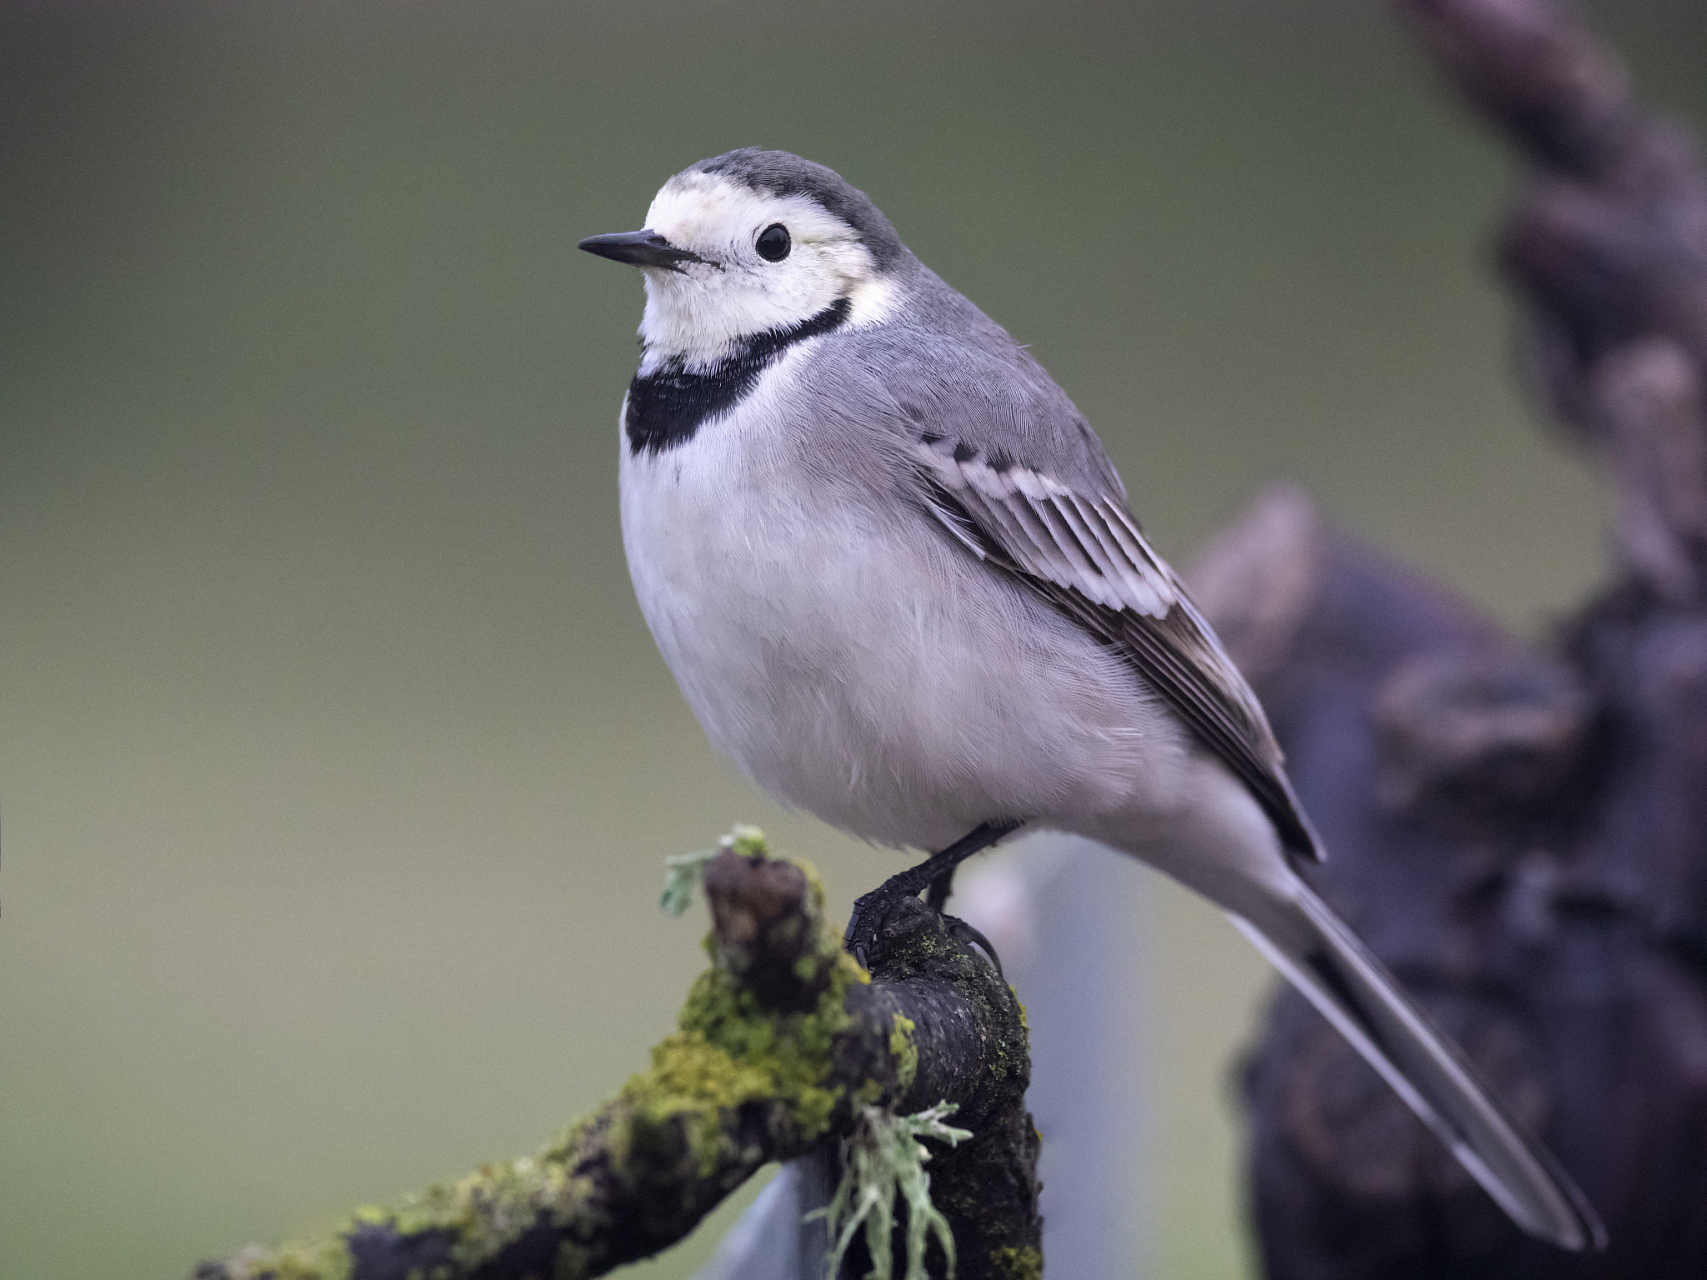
(772,1240)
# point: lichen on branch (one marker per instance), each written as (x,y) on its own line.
(885,1165)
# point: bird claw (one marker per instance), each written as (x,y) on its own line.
(869,913)
(962,932)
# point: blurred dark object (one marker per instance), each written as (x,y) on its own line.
(1521,836)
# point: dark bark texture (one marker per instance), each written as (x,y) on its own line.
(1520,832)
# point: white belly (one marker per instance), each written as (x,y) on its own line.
(857,664)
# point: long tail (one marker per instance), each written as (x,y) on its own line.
(1327,962)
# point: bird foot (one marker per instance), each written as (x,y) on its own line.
(869,913)
(872,911)
(935,873)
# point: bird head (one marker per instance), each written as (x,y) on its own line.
(750,243)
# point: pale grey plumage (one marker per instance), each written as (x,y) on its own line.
(897,579)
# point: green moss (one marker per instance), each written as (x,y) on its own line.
(746,840)
(726,1051)
(905,1051)
(729,1050)
(1017,1262)
(480,1215)
(1020,1005)
(303,1260)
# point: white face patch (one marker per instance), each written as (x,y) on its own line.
(704,312)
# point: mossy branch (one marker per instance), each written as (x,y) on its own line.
(781,1046)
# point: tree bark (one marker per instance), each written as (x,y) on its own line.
(1520,832)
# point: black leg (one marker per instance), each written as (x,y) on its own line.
(869,911)
(936,897)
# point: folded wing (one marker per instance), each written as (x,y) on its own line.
(1081,549)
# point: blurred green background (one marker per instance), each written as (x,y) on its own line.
(336,763)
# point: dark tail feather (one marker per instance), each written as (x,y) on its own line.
(1325,960)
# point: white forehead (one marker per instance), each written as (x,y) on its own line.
(708,208)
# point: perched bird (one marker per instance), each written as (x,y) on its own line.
(897,579)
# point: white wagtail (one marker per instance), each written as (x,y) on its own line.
(897,579)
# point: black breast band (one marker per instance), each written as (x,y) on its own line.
(666,407)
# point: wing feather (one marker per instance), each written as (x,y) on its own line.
(1086,554)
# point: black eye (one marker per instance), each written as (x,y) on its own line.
(773,244)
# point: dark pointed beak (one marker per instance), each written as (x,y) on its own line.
(640,249)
